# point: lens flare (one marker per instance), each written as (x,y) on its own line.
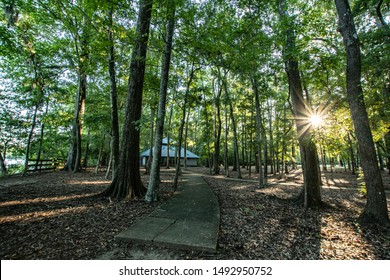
(316,120)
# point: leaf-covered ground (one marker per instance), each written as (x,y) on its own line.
(55,216)
(269,224)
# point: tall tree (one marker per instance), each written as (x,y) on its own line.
(259,138)
(311,170)
(217,123)
(36,87)
(182,123)
(376,206)
(113,95)
(152,193)
(127,181)
(234,128)
(81,42)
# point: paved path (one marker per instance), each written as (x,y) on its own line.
(188,220)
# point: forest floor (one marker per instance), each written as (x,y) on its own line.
(57,216)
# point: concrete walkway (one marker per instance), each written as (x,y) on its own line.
(188,220)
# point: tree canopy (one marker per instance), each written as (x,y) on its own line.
(65,69)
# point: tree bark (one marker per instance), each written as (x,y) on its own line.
(217,124)
(74,154)
(244,148)
(3,168)
(113,96)
(86,154)
(293,156)
(310,163)
(387,145)
(284,141)
(375,210)
(262,179)
(209,155)
(181,128)
(234,128)
(109,162)
(30,135)
(40,146)
(168,138)
(38,81)
(226,153)
(251,144)
(127,182)
(276,146)
(148,165)
(323,158)
(380,157)
(185,140)
(271,139)
(154,181)
(79,112)
(352,155)
(99,159)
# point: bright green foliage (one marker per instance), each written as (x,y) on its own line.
(228,42)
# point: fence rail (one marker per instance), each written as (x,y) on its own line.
(40,165)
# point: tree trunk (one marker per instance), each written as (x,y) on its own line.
(39,83)
(154,181)
(148,164)
(352,155)
(293,156)
(78,120)
(311,170)
(127,182)
(69,165)
(226,153)
(375,210)
(181,128)
(185,140)
(244,148)
(217,124)
(30,135)
(99,159)
(3,168)
(277,145)
(251,145)
(113,96)
(387,145)
(109,162)
(74,154)
(265,145)
(209,155)
(39,153)
(86,154)
(284,141)
(271,138)
(380,158)
(262,179)
(323,158)
(168,139)
(235,136)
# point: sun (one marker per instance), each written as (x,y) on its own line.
(316,120)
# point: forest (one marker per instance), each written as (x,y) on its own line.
(262,91)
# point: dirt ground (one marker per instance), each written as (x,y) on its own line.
(57,216)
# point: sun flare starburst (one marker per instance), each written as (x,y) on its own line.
(316,120)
